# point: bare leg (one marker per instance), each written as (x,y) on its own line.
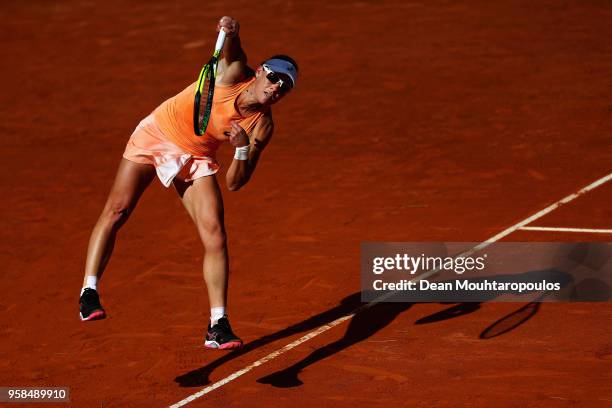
(130,182)
(203,201)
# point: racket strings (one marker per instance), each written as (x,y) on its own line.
(204,96)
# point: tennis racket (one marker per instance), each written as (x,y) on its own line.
(205,89)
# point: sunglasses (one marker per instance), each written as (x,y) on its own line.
(274,78)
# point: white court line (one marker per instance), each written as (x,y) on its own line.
(563,229)
(342,319)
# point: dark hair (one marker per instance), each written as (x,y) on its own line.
(284,58)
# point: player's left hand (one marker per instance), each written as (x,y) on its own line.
(230,26)
(237,136)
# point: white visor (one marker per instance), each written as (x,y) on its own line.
(283,67)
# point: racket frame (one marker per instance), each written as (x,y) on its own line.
(208,72)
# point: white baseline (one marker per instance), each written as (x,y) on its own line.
(565,229)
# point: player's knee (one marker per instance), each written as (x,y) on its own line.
(115,213)
(213,237)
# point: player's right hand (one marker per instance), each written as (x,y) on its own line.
(237,136)
(229,25)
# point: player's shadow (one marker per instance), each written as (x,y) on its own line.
(362,326)
(370,319)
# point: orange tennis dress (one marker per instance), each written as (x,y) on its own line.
(166,140)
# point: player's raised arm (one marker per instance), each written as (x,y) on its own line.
(232,66)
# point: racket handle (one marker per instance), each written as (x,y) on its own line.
(220,39)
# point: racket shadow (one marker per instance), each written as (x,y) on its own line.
(511,321)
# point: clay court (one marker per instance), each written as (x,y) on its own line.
(413,121)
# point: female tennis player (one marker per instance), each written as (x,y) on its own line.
(164,144)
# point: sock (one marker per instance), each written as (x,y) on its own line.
(215,314)
(90,282)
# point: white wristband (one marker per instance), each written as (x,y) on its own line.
(242,153)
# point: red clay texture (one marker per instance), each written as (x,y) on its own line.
(412,121)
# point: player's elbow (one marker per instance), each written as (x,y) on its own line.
(237,185)
(237,182)
(234,187)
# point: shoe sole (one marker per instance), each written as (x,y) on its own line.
(97,315)
(230,345)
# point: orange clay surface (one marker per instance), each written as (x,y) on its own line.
(412,121)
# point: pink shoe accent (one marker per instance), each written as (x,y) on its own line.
(231,345)
(97,315)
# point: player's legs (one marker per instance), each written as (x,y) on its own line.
(130,182)
(203,201)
